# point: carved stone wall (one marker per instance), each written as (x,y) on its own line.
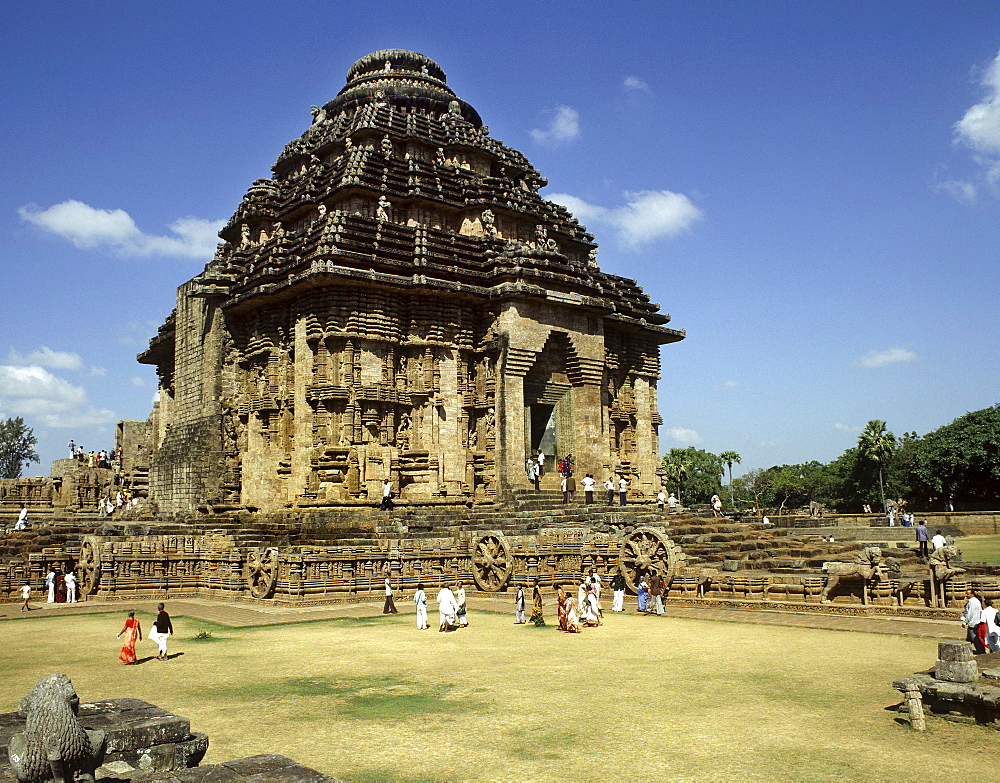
(398,303)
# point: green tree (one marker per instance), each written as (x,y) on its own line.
(729,457)
(876,446)
(17,447)
(699,471)
(962,459)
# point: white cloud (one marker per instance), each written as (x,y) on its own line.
(840,427)
(98,372)
(635,84)
(562,129)
(727,385)
(46,357)
(35,393)
(89,228)
(888,356)
(979,130)
(644,217)
(135,380)
(683,436)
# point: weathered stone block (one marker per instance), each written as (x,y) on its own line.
(955,651)
(957,671)
(730,565)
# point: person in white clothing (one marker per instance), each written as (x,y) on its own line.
(446,609)
(70,580)
(609,485)
(623,491)
(22,519)
(460,614)
(672,502)
(588,488)
(420,599)
(989,616)
(389,607)
(938,540)
(519,606)
(661,499)
(50,584)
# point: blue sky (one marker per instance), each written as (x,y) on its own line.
(811,190)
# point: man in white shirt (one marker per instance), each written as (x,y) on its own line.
(938,540)
(588,488)
(446,609)
(622,490)
(420,599)
(609,485)
(70,580)
(972,618)
(460,608)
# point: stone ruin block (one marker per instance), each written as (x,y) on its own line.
(956,662)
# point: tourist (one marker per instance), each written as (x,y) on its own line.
(519,606)
(572,617)
(938,540)
(162,629)
(609,485)
(389,607)
(133,632)
(588,489)
(531,469)
(672,502)
(972,618)
(72,449)
(592,611)
(50,585)
(446,609)
(661,499)
(656,586)
(716,502)
(540,459)
(992,627)
(581,596)
(642,592)
(70,582)
(386,496)
(536,605)
(22,519)
(569,488)
(564,488)
(622,491)
(561,605)
(922,538)
(26,594)
(618,585)
(461,609)
(420,599)
(595,580)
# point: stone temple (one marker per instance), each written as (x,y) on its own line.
(397,302)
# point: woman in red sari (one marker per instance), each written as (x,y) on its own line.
(132,631)
(561,606)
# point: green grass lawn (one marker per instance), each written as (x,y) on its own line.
(639,699)
(985,549)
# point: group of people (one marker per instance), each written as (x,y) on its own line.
(132,631)
(452,608)
(59,588)
(980,622)
(124,500)
(938,540)
(96,459)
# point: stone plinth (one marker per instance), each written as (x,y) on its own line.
(141,738)
(956,663)
(265,767)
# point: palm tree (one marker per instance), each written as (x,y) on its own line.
(677,470)
(729,457)
(877,445)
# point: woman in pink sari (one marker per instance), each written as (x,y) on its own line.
(133,632)
(561,606)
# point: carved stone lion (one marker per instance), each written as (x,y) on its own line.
(944,562)
(867,565)
(54,746)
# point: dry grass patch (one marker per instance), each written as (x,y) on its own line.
(642,698)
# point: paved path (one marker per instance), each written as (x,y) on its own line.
(241,615)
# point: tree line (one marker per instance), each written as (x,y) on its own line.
(957,465)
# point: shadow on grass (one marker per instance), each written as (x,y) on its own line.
(362,698)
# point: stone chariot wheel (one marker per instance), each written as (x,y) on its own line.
(492,563)
(261,572)
(644,551)
(89,566)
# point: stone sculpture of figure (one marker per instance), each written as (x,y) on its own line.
(386,145)
(944,563)
(319,114)
(541,235)
(592,258)
(380,99)
(489,223)
(439,157)
(382,211)
(455,109)
(54,746)
(491,423)
(867,565)
(321,211)
(244,234)
(388,66)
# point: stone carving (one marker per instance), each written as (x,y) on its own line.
(382,210)
(54,746)
(492,564)
(318,114)
(943,563)
(386,145)
(489,223)
(261,572)
(867,565)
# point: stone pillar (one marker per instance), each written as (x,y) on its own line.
(452,451)
(302,445)
(646,456)
(511,433)
(956,662)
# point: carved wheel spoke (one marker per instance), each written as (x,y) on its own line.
(261,572)
(491,562)
(89,566)
(643,552)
